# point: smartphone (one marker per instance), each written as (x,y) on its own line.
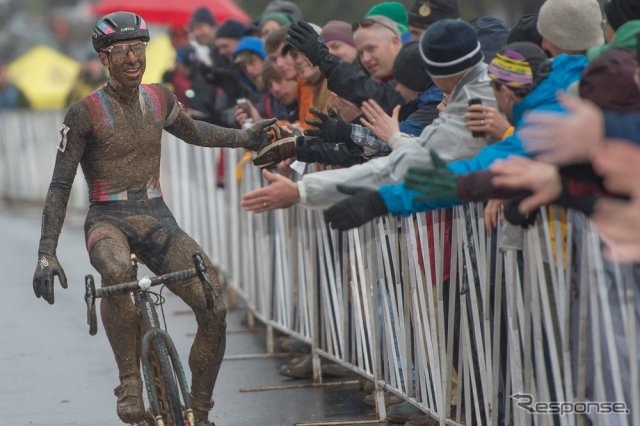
(476,101)
(243,103)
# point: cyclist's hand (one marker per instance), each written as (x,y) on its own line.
(47,267)
(257,137)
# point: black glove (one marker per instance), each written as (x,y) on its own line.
(514,217)
(329,129)
(47,267)
(256,137)
(306,40)
(313,150)
(364,205)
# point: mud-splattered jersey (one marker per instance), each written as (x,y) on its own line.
(121,158)
(117,143)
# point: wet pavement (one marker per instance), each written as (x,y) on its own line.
(54,373)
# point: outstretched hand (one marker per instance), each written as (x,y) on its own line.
(306,40)
(363,205)
(565,139)
(379,122)
(274,153)
(329,129)
(47,268)
(257,136)
(437,183)
(542,179)
(280,193)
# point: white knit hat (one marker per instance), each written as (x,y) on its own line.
(572,25)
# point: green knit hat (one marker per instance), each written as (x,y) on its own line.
(393,10)
(626,38)
(281,18)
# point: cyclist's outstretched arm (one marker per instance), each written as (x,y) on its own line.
(206,134)
(72,141)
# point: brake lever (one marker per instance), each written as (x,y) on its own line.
(90,300)
(201,270)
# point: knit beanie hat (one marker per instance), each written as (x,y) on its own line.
(377,19)
(626,37)
(449,47)
(572,25)
(280,17)
(526,29)
(620,11)
(284,6)
(248,46)
(337,30)
(492,35)
(394,11)
(408,68)
(425,12)
(617,66)
(202,15)
(231,29)
(518,66)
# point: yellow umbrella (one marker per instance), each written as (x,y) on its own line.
(160,57)
(45,76)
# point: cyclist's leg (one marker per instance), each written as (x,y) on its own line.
(167,248)
(110,254)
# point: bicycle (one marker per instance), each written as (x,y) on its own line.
(169,402)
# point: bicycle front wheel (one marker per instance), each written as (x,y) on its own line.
(162,388)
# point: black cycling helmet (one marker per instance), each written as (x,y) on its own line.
(118,26)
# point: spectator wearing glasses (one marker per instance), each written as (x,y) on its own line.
(378,42)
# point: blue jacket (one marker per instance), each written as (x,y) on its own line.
(565,70)
(421,111)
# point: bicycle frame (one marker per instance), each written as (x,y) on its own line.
(154,337)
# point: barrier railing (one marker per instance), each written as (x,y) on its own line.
(471,326)
(28,143)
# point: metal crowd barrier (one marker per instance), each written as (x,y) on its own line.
(28,144)
(528,327)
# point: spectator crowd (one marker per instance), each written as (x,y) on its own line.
(409,111)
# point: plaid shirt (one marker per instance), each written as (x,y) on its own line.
(373,145)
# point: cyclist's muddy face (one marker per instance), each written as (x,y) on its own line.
(127,61)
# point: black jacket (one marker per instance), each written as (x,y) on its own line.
(351,83)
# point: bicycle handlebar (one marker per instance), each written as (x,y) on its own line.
(123,288)
(91,293)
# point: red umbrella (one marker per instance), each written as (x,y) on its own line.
(172,12)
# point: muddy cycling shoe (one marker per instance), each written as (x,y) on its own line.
(130,406)
(201,410)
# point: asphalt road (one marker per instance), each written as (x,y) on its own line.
(52,372)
